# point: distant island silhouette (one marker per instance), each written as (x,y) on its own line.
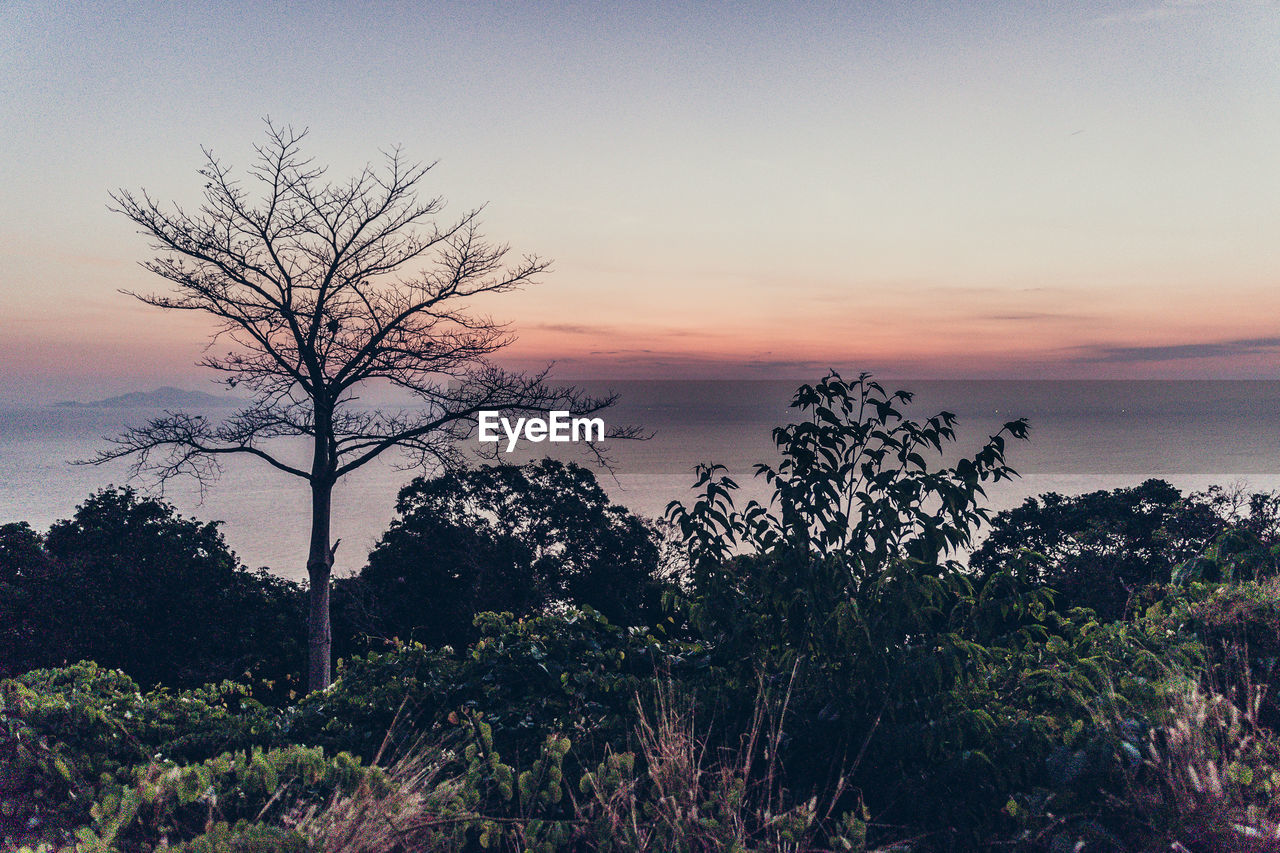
(165,397)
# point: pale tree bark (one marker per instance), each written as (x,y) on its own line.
(320,287)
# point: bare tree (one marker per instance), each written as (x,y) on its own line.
(319,287)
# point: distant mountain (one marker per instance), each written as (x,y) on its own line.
(161,398)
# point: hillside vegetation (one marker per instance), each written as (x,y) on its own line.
(871,660)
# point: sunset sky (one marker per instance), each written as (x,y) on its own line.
(925,190)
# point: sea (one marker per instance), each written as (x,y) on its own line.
(1085,435)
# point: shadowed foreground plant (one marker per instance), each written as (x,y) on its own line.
(373,819)
(676,794)
(852,565)
(1211,776)
(685,799)
(442,798)
(1196,773)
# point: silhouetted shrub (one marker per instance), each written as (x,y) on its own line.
(1099,550)
(848,575)
(521,539)
(130,584)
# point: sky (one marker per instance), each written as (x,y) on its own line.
(750,190)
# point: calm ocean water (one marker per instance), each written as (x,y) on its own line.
(1086,435)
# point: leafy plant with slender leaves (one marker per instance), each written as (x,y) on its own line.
(851,568)
(856,503)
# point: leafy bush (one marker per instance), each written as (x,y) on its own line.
(521,539)
(1237,554)
(574,673)
(672,794)
(235,789)
(849,572)
(1099,550)
(64,733)
(1195,773)
(130,584)
(1239,627)
(1212,775)
(1041,717)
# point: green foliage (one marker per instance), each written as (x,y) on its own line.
(465,794)
(535,813)
(844,681)
(1195,773)
(501,538)
(1040,715)
(1236,554)
(130,584)
(850,570)
(245,837)
(1239,627)
(169,800)
(573,673)
(1099,550)
(65,733)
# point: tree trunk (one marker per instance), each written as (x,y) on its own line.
(319,567)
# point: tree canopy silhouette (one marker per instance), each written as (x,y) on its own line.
(129,583)
(525,539)
(319,287)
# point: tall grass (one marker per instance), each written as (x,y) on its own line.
(675,794)
(1210,779)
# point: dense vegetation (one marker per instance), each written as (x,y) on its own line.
(130,584)
(502,538)
(870,658)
